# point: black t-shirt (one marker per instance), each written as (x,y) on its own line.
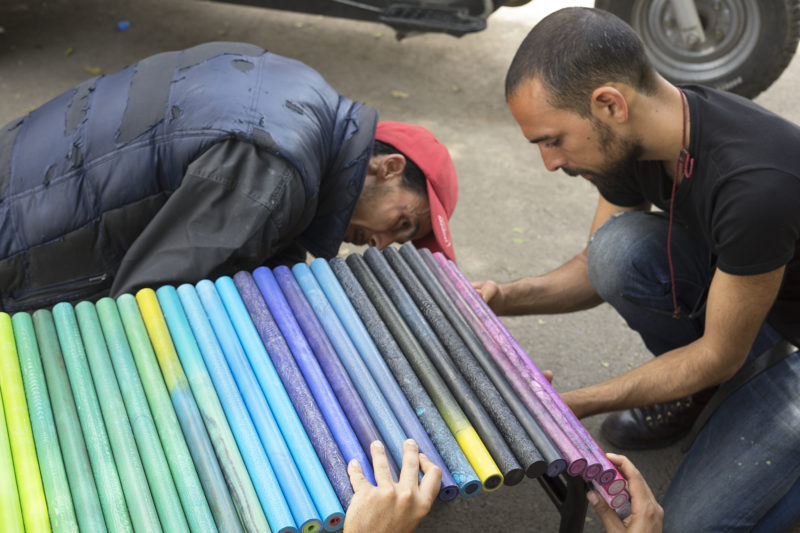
(743,197)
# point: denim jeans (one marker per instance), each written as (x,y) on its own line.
(743,471)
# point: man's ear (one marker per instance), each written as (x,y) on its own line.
(610,103)
(391,166)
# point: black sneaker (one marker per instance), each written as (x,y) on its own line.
(654,426)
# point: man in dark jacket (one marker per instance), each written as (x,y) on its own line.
(198,163)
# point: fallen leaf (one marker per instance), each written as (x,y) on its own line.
(93,70)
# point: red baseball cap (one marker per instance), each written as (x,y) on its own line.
(420,146)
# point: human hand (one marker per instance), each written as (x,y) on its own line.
(392,507)
(491,294)
(646,514)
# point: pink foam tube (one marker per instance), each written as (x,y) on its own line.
(538,383)
(620,502)
(576,461)
(618,485)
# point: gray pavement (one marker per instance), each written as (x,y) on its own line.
(513,218)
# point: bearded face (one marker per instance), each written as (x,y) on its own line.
(620,161)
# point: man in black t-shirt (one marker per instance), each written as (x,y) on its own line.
(710,280)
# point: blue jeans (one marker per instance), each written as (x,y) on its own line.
(743,471)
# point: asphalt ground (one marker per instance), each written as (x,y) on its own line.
(513,217)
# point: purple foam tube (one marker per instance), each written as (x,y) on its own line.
(493,361)
(374,397)
(486,389)
(414,370)
(327,398)
(271,360)
(539,384)
(372,357)
(353,406)
(300,391)
(446,368)
(571,427)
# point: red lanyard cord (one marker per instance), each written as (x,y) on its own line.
(687,161)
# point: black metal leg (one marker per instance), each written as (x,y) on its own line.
(569,496)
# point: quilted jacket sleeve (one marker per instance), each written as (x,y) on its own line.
(236,208)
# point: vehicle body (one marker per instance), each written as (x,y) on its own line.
(737,45)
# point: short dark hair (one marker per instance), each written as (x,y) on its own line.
(575,50)
(413,178)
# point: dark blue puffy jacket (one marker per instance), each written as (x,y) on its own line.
(82,176)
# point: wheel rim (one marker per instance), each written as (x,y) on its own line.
(731,28)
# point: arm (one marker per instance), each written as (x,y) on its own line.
(735,311)
(235,208)
(392,507)
(646,514)
(562,290)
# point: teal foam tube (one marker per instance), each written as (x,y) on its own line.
(188,413)
(193,500)
(278,512)
(277,342)
(263,476)
(140,502)
(240,485)
(378,407)
(20,433)
(156,469)
(51,464)
(70,436)
(305,457)
(109,488)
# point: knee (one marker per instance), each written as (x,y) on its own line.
(614,249)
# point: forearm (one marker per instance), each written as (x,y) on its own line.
(670,376)
(713,358)
(562,290)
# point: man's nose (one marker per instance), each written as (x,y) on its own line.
(381,239)
(551,159)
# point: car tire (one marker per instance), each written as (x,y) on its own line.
(748,43)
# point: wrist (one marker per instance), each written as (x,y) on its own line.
(517,297)
(574,402)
